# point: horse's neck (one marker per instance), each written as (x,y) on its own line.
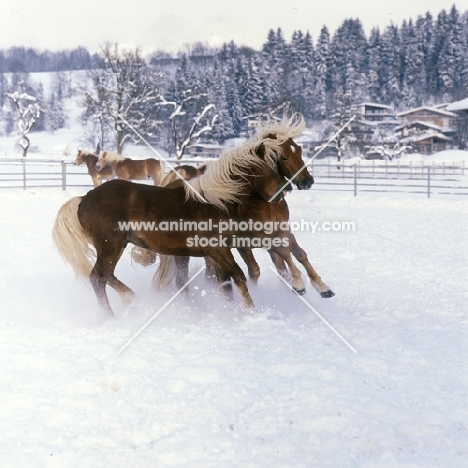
(90,160)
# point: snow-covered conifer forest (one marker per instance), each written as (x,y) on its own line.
(421,62)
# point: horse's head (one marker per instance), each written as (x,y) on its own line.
(79,158)
(267,181)
(101,163)
(107,158)
(279,135)
(292,166)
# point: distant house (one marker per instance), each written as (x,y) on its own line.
(428,143)
(203,150)
(373,112)
(433,115)
(419,127)
(427,129)
(459,106)
(363,130)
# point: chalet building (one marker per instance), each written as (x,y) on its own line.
(203,150)
(373,112)
(427,129)
(418,127)
(459,107)
(428,143)
(433,115)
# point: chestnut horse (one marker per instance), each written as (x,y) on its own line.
(90,159)
(95,221)
(147,257)
(131,169)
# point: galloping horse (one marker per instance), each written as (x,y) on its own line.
(131,169)
(90,159)
(146,257)
(256,168)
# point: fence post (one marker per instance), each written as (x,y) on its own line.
(64,175)
(24,174)
(428,181)
(355,180)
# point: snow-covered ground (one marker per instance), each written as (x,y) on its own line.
(206,385)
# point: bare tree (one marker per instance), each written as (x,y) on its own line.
(28,112)
(190,118)
(123,87)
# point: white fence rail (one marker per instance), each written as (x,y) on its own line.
(433,179)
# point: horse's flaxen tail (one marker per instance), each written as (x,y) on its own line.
(165,272)
(70,239)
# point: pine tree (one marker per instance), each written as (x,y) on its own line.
(323,80)
(374,59)
(390,70)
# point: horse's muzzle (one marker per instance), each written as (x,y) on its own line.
(305,184)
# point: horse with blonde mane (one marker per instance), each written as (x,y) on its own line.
(91,159)
(186,172)
(89,235)
(131,169)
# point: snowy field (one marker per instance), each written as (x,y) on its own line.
(206,385)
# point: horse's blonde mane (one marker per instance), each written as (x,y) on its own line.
(85,153)
(282,130)
(111,157)
(222,182)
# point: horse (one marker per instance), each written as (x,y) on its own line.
(94,221)
(167,268)
(131,169)
(184,171)
(146,257)
(90,159)
(170,266)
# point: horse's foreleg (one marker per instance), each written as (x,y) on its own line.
(280,265)
(227,264)
(285,258)
(252,266)
(314,278)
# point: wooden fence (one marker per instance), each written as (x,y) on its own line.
(368,176)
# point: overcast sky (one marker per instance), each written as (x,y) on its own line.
(170,25)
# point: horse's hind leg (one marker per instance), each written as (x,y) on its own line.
(314,278)
(103,273)
(182,266)
(125,293)
(225,260)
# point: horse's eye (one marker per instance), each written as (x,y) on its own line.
(285,158)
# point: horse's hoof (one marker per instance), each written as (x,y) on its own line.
(327,294)
(301,292)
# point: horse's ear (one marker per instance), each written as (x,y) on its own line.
(260,150)
(272,136)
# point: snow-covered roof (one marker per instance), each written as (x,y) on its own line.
(458,105)
(374,104)
(429,109)
(426,136)
(432,126)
